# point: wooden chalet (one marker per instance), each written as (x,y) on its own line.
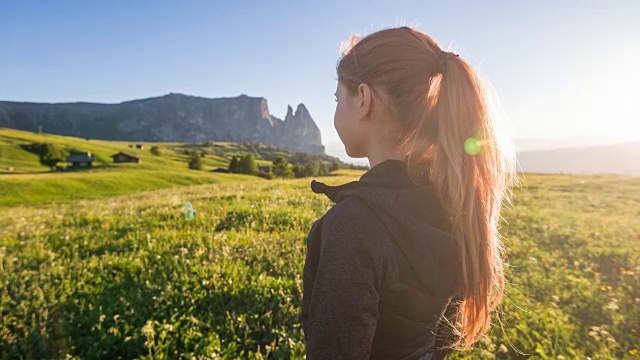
(80,160)
(124,157)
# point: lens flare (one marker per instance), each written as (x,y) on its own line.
(187,210)
(472,146)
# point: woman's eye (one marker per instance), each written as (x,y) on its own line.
(336,99)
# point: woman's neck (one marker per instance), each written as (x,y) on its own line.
(378,154)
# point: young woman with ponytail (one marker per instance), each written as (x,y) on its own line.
(408,263)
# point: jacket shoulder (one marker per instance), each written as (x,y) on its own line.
(353,213)
(351,222)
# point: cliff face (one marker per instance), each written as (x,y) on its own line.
(172,117)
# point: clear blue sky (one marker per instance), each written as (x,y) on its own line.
(560,68)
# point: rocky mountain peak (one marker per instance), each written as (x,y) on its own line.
(289,113)
(173,117)
(302,112)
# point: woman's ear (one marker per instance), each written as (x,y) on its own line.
(365,100)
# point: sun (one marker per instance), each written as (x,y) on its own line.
(619,95)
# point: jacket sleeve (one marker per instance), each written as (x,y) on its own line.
(343,309)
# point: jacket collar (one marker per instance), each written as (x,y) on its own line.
(390,173)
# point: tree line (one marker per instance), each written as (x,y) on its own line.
(280,167)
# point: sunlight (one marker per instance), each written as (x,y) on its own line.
(620,95)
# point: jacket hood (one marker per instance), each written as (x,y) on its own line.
(414,217)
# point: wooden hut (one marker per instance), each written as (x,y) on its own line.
(123,157)
(220,170)
(80,160)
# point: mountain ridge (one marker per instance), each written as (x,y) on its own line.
(621,158)
(171,117)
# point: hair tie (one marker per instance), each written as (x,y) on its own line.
(442,59)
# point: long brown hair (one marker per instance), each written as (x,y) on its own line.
(442,120)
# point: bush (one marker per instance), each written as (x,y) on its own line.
(155,151)
(264,174)
(247,165)
(313,168)
(195,163)
(233,165)
(335,165)
(50,154)
(281,168)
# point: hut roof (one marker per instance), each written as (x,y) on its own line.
(126,154)
(79,158)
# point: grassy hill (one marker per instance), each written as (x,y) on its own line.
(32,183)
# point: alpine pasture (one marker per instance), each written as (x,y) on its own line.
(102,264)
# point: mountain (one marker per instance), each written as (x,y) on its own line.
(621,158)
(170,118)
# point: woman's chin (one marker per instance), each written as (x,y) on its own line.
(354,154)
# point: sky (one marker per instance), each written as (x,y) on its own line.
(559,69)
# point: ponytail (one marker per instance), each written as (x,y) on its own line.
(446,128)
(470,170)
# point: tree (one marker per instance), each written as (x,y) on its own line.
(233,165)
(310,169)
(247,164)
(50,155)
(195,163)
(322,169)
(335,165)
(306,170)
(280,167)
(155,150)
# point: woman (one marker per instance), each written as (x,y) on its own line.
(408,263)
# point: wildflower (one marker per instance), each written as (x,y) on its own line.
(147,329)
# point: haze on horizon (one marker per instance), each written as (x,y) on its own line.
(560,70)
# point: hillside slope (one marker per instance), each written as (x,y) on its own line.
(31,183)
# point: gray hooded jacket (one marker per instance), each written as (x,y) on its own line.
(382,272)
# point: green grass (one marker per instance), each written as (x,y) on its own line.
(129,277)
(101,263)
(172,156)
(55,188)
(33,184)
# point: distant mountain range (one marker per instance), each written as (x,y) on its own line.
(621,158)
(170,118)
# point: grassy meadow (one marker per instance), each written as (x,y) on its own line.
(118,275)
(31,183)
